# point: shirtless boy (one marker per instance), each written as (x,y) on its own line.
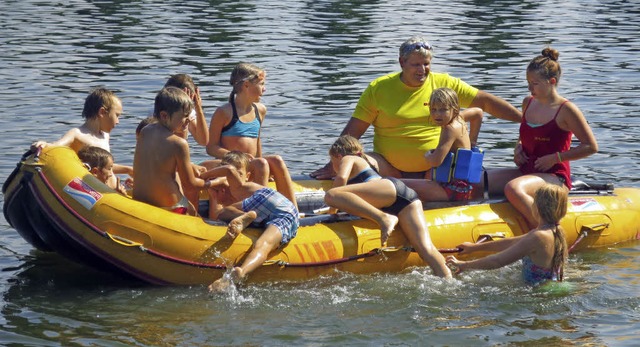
(160,153)
(249,202)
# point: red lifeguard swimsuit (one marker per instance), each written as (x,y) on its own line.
(545,139)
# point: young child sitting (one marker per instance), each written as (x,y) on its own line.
(160,153)
(102,110)
(100,163)
(543,250)
(246,202)
(445,111)
(359,190)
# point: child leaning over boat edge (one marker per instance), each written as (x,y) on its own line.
(245,202)
(543,250)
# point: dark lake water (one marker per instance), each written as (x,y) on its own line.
(319,57)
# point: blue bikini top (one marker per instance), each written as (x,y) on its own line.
(239,128)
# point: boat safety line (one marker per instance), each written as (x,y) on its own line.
(371,253)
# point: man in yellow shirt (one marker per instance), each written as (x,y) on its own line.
(397,105)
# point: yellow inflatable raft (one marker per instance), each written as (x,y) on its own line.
(57,205)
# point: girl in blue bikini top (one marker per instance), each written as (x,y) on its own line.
(543,250)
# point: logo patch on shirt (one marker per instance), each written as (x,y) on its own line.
(82,193)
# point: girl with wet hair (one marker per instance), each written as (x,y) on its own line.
(543,250)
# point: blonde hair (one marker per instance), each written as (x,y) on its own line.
(237,159)
(449,98)
(346,145)
(551,204)
(244,72)
(349,145)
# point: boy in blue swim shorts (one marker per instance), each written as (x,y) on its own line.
(246,202)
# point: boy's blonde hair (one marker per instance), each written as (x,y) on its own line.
(97,99)
(170,100)
(551,204)
(237,159)
(95,156)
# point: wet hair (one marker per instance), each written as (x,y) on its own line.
(415,44)
(546,64)
(244,72)
(551,204)
(181,81)
(237,159)
(98,98)
(95,156)
(170,100)
(349,145)
(143,123)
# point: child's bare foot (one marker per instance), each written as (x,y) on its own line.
(237,274)
(220,285)
(227,280)
(240,223)
(387,225)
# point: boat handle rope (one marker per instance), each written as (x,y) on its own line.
(122,241)
(371,253)
(128,243)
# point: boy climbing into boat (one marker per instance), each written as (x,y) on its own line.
(161,152)
(543,250)
(236,126)
(359,190)
(102,110)
(100,163)
(246,202)
(454,135)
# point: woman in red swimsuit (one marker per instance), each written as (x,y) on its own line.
(549,121)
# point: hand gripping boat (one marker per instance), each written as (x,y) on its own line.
(57,205)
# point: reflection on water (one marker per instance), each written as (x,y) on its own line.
(319,57)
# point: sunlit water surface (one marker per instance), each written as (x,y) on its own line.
(319,56)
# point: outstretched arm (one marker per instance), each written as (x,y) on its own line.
(496,106)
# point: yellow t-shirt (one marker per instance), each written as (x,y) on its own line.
(403,129)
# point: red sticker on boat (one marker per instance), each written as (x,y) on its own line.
(586,204)
(82,193)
